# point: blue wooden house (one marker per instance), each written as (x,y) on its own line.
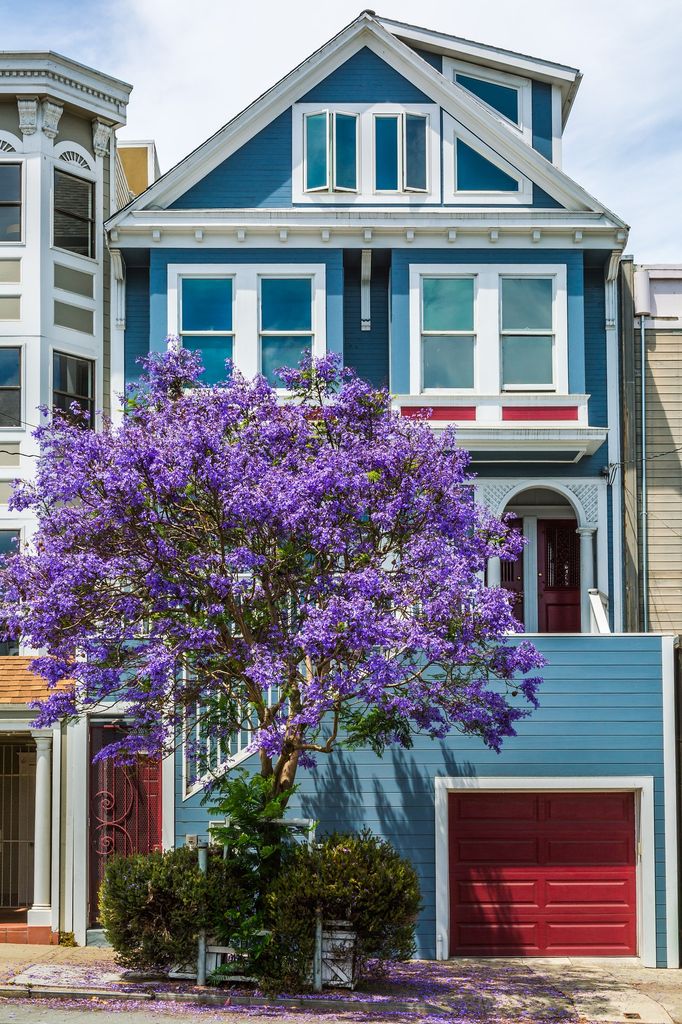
(398,198)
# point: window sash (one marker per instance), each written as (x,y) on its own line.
(467,335)
(331,178)
(527,332)
(411,170)
(74,216)
(62,397)
(273,334)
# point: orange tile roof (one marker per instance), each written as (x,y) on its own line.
(18,685)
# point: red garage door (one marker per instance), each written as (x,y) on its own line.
(542,874)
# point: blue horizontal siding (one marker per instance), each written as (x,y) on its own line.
(136,337)
(158,282)
(541,107)
(588,724)
(434,59)
(257,174)
(366,352)
(365,78)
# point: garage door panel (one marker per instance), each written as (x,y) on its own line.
(478,937)
(494,851)
(480,894)
(588,851)
(575,935)
(612,892)
(574,807)
(487,807)
(554,885)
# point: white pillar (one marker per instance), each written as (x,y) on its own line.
(40,912)
(494,572)
(586,533)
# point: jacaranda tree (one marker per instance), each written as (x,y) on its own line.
(309,569)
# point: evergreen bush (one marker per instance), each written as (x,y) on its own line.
(152,906)
(357,878)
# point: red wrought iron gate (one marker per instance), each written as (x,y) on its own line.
(124,806)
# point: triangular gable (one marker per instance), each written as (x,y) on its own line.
(364,33)
(365,71)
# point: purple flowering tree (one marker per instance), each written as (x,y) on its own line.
(310,570)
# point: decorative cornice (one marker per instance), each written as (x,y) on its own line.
(28,115)
(51,112)
(66,81)
(101,136)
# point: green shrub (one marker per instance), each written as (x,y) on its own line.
(357,878)
(152,906)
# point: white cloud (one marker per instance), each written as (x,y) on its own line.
(195,65)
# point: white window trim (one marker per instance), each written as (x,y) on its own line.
(246,298)
(487,348)
(523,86)
(453,130)
(366,193)
(643,789)
(331,187)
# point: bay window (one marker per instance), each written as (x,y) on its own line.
(488,329)
(286,323)
(206,322)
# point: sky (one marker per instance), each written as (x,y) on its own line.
(194,64)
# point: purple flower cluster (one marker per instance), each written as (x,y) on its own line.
(309,564)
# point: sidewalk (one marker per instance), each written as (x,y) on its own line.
(465,991)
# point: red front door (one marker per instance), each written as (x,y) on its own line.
(542,874)
(558,576)
(125,809)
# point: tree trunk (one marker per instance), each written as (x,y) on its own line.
(285,773)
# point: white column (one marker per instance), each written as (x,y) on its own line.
(586,533)
(40,912)
(494,572)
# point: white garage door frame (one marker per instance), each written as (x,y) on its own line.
(643,789)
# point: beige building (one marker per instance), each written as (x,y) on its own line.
(651,316)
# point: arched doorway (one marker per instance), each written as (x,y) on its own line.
(546,578)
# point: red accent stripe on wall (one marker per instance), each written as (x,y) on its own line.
(439,412)
(540,412)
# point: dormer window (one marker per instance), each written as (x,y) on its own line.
(502,98)
(507,95)
(366,153)
(400,152)
(331,152)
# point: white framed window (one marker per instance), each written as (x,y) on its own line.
(472,172)
(11,386)
(507,96)
(381,153)
(262,316)
(488,329)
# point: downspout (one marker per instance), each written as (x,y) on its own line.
(643,310)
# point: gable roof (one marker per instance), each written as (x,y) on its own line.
(566,78)
(366,30)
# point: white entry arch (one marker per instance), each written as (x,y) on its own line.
(588,499)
